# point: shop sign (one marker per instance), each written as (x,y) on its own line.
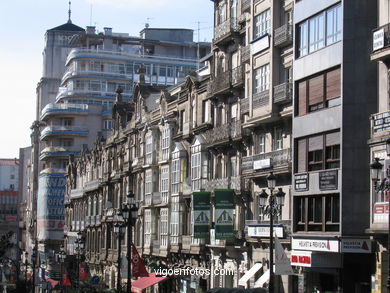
(315,244)
(264,230)
(224,208)
(381,122)
(261,164)
(356,245)
(201,211)
(302,259)
(381,212)
(301,182)
(328,180)
(378,39)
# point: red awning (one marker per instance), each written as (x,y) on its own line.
(138,285)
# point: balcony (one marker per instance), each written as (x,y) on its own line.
(381,43)
(65,93)
(260,99)
(245,5)
(244,106)
(72,109)
(156,198)
(237,76)
(225,31)
(223,134)
(277,161)
(58,130)
(220,84)
(91,185)
(283,93)
(225,183)
(57,152)
(283,35)
(246,54)
(76,193)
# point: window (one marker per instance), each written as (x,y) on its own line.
(148,186)
(318,152)
(148,148)
(66,121)
(164,227)
(148,227)
(278,139)
(233,166)
(165,135)
(317,213)
(221,14)
(175,174)
(319,92)
(260,143)
(205,111)
(262,24)
(164,183)
(320,30)
(196,167)
(12,176)
(261,79)
(107,124)
(175,213)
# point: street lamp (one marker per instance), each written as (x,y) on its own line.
(26,267)
(376,168)
(129,211)
(61,257)
(118,223)
(274,208)
(80,246)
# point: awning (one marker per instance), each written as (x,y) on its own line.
(245,278)
(262,280)
(145,282)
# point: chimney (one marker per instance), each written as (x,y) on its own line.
(91,30)
(108,31)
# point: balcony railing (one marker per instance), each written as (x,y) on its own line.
(225,183)
(283,35)
(225,29)
(221,83)
(186,242)
(57,151)
(64,130)
(91,185)
(381,37)
(283,93)
(237,76)
(259,162)
(245,5)
(260,99)
(156,198)
(64,108)
(76,193)
(244,106)
(245,54)
(223,133)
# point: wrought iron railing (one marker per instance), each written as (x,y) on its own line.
(224,29)
(283,92)
(283,35)
(278,159)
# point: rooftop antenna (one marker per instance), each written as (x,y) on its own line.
(198,46)
(147,24)
(69,12)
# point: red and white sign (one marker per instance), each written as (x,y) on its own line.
(137,266)
(328,245)
(356,245)
(381,212)
(301,258)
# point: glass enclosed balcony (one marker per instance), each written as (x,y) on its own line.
(55,109)
(58,130)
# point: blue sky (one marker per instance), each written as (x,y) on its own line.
(24,23)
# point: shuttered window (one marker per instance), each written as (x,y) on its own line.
(302,155)
(319,92)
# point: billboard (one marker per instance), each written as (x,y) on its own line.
(201,206)
(224,210)
(50,206)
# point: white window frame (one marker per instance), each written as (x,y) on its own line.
(196,167)
(164,183)
(149,148)
(148,186)
(176,172)
(261,145)
(148,227)
(164,227)
(262,24)
(278,139)
(261,79)
(165,143)
(175,221)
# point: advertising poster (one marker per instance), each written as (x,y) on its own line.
(50,206)
(224,209)
(201,206)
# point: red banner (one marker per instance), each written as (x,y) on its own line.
(65,279)
(137,267)
(83,273)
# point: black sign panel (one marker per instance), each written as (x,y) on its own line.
(301,182)
(328,180)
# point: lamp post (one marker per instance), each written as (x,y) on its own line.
(33,260)
(129,211)
(80,243)
(118,223)
(272,209)
(25,267)
(61,257)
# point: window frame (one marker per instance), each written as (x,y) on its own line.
(262,24)
(261,79)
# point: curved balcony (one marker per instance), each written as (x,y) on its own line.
(57,152)
(59,109)
(106,74)
(65,93)
(58,130)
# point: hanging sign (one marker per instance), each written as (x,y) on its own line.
(224,208)
(201,211)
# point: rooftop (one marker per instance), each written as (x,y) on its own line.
(9,162)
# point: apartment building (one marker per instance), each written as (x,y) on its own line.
(378,193)
(334,90)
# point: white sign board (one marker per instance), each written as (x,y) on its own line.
(315,245)
(378,39)
(263,231)
(356,245)
(260,45)
(261,164)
